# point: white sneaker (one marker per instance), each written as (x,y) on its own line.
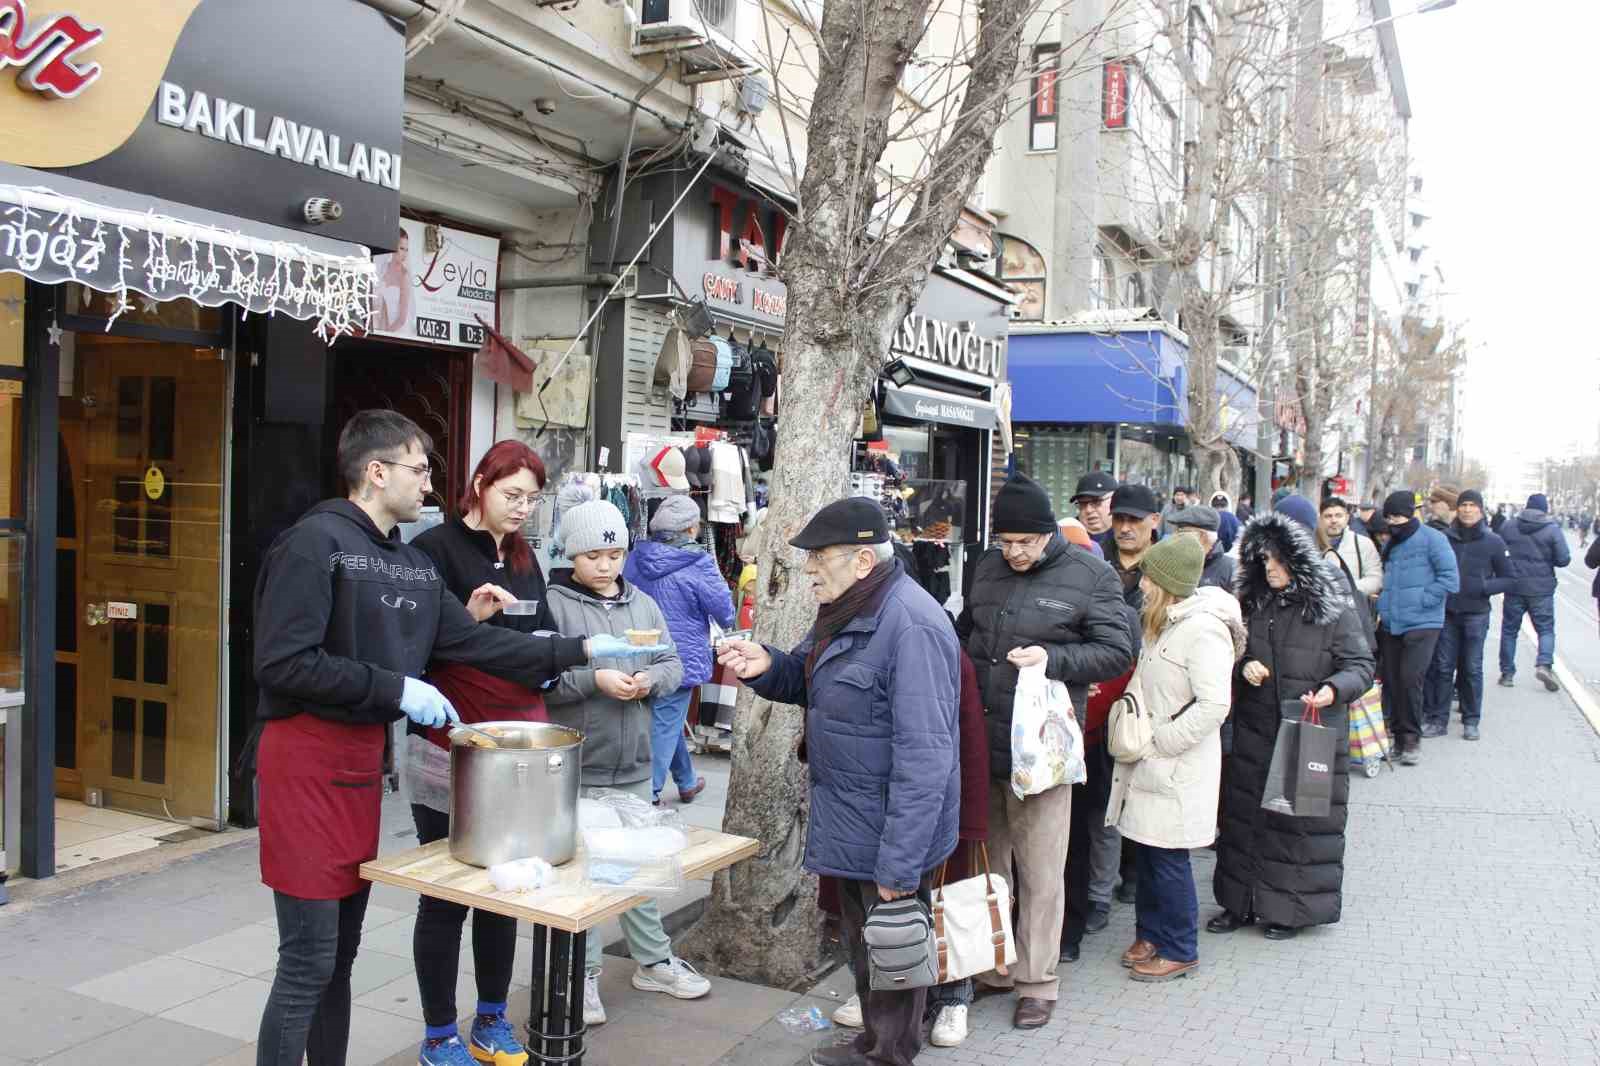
(594,1012)
(674,977)
(950,1028)
(848,1013)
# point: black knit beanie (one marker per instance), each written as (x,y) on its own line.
(1023,507)
(1402,503)
(1470,496)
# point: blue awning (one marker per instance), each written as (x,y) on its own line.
(1081,376)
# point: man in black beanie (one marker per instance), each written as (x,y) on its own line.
(1036,601)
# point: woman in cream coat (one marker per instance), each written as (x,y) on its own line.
(1166,800)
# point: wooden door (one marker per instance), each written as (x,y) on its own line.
(149,605)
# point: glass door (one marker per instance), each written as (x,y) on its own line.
(145,438)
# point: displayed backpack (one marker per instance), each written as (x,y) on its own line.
(742,396)
(702,365)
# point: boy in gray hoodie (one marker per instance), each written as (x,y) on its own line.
(609,702)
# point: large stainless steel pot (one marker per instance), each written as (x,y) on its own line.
(518,800)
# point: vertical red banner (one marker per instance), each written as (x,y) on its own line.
(1114,96)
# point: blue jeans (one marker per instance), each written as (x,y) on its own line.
(1167,911)
(1457,666)
(1543,610)
(668,749)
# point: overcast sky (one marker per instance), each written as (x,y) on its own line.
(1499,93)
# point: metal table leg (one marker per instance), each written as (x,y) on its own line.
(555,1009)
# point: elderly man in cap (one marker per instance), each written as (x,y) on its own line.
(1203,523)
(1037,602)
(1135,521)
(879,675)
(1092,498)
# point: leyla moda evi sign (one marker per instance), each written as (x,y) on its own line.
(436,285)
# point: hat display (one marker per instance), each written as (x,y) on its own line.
(669,466)
(1175,565)
(854,521)
(697,467)
(1022,506)
(1095,484)
(1134,501)
(1196,516)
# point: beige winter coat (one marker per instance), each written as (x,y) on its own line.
(1360,557)
(1168,799)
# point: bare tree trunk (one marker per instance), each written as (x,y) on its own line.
(851,279)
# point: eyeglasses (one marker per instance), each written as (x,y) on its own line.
(1018,547)
(422,470)
(819,557)
(514,499)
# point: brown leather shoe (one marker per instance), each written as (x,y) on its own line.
(1139,952)
(1155,968)
(687,795)
(1033,1013)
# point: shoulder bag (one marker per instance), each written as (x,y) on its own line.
(901,953)
(1129,730)
(972,924)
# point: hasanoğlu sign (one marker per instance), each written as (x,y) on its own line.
(958,346)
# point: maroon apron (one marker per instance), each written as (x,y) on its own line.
(480,697)
(321,797)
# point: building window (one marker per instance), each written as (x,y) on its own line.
(1023,272)
(1045,103)
(1103,280)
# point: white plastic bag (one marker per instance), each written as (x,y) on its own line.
(1046,743)
(521,875)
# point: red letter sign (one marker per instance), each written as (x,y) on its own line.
(47,57)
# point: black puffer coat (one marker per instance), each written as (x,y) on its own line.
(1288,871)
(1070,604)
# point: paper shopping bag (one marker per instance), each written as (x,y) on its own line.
(1300,776)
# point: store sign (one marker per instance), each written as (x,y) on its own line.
(956,345)
(241,107)
(49,50)
(436,296)
(719,288)
(234,123)
(1114,96)
(750,232)
(948,410)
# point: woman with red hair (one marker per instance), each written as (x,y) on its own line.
(484,562)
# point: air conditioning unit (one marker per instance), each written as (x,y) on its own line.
(667,20)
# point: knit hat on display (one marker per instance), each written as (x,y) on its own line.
(1445,494)
(1538,502)
(1470,496)
(1401,503)
(1022,506)
(591,527)
(1298,508)
(1175,565)
(675,514)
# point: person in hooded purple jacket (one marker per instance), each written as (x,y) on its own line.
(674,570)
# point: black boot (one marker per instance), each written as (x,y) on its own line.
(1282,932)
(1226,922)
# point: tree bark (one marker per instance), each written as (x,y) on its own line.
(851,279)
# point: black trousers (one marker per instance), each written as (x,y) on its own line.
(1406,659)
(307,1018)
(436,941)
(892,1021)
(1089,804)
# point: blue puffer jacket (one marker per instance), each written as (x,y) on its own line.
(687,586)
(1537,546)
(1419,574)
(882,739)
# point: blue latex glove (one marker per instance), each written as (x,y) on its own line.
(606,646)
(426,705)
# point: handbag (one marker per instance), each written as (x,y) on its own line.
(1129,729)
(972,924)
(901,952)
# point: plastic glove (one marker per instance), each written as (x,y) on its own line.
(606,646)
(426,705)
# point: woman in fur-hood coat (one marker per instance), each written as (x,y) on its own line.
(1305,632)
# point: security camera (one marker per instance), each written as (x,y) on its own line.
(545,106)
(320,209)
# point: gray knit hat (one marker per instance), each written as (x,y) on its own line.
(675,514)
(591,527)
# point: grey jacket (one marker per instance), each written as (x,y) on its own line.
(616,736)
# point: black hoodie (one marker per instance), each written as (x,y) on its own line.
(343,614)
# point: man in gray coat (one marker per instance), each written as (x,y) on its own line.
(880,677)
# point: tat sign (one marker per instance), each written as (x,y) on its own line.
(49,50)
(436,290)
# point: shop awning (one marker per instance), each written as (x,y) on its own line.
(929,405)
(55,229)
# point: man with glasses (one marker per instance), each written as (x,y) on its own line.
(346,619)
(1036,601)
(880,677)
(1092,497)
